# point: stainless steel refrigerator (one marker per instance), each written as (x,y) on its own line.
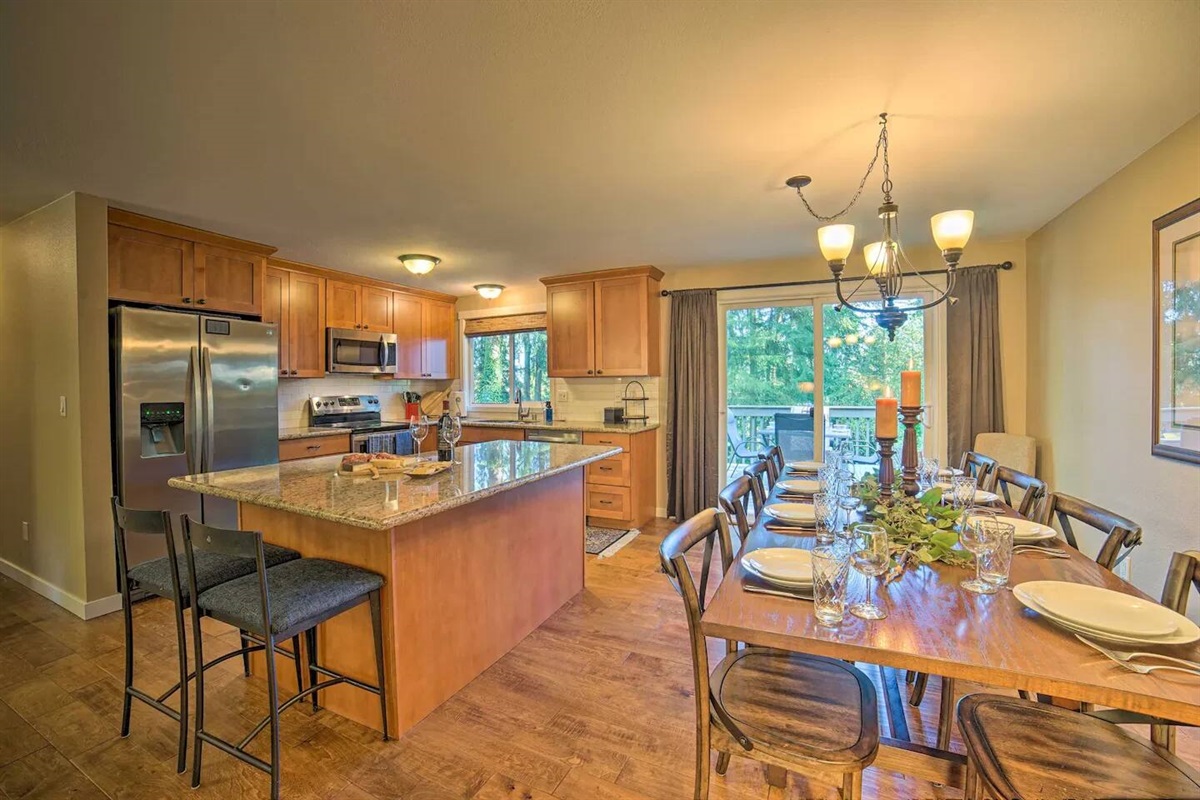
(191,393)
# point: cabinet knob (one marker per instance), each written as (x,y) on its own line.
(200,301)
(283,372)
(599,372)
(589,372)
(187,299)
(293,372)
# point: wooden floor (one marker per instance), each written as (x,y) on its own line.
(594,705)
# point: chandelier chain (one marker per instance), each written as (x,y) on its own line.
(880,146)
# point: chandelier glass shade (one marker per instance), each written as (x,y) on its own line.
(886,262)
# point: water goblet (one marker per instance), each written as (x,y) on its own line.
(831,574)
(871,557)
(962,492)
(978,536)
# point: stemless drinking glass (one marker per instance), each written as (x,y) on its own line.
(824,507)
(871,557)
(998,561)
(979,535)
(831,574)
(419,427)
(927,473)
(962,492)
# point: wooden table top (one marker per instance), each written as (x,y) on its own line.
(935,626)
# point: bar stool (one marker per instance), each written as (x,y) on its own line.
(272,604)
(161,578)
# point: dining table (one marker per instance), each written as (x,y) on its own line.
(936,627)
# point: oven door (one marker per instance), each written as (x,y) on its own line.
(360,351)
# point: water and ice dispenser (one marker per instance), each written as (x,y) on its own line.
(162,429)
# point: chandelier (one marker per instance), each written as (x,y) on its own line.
(886,259)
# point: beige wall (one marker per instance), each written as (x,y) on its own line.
(1090,360)
(57,475)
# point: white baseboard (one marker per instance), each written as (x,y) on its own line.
(61,597)
(660,512)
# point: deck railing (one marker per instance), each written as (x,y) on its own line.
(755,426)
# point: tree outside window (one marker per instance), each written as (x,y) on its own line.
(504,362)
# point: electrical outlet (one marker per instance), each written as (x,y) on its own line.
(25,531)
(62,405)
(562,395)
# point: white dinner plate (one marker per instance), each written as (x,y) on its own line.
(949,472)
(1187,632)
(804,466)
(793,513)
(799,486)
(1029,531)
(1103,609)
(783,564)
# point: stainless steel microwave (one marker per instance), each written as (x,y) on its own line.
(349,350)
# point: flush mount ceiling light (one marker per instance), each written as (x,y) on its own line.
(418,264)
(886,259)
(489,291)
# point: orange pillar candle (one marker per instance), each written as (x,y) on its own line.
(885,418)
(910,388)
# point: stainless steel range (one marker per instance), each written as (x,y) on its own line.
(361,414)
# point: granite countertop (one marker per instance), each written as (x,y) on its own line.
(309,433)
(592,426)
(315,487)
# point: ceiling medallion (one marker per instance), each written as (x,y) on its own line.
(886,259)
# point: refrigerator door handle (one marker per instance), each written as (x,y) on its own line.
(190,428)
(209,432)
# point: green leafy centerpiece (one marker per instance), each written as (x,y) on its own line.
(920,529)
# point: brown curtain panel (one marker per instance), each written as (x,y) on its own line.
(693,443)
(973,380)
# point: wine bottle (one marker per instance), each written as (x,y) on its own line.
(444,448)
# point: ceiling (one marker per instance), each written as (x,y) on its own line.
(520,139)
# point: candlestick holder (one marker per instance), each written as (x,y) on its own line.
(910,416)
(887,471)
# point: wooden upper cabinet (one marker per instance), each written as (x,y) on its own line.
(376,314)
(306,325)
(408,325)
(343,304)
(437,331)
(275,311)
(604,323)
(570,331)
(146,267)
(228,280)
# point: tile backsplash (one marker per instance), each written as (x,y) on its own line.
(584,399)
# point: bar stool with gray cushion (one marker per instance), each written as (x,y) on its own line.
(161,577)
(273,604)
(1022,750)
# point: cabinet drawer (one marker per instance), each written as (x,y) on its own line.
(608,502)
(620,440)
(610,472)
(292,449)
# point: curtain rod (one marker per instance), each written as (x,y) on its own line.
(1005,265)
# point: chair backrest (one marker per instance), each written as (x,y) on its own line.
(1035,489)
(1182,575)
(774,459)
(1120,533)
(978,466)
(794,435)
(225,542)
(735,502)
(150,523)
(709,526)
(756,472)
(1011,449)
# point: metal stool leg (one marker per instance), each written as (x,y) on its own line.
(299,666)
(245,656)
(181,639)
(377,625)
(197,743)
(310,641)
(273,699)
(127,699)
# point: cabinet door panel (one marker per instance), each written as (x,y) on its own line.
(437,324)
(306,324)
(570,331)
(376,309)
(148,267)
(622,327)
(228,280)
(408,326)
(275,312)
(342,301)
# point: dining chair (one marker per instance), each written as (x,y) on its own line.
(978,466)
(1016,749)
(1034,489)
(806,714)
(735,501)
(758,475)
(1121,534)
(273,604)
(775,464)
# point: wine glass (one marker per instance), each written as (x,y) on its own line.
(927,473)
(979,535)
(419,427)
(453,434)
(871,557)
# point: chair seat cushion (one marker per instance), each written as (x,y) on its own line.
(212,569)
(307,590)
(1032,750)
(806,708)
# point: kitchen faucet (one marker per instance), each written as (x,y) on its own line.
(520,406)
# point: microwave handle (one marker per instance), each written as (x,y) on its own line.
(383,354)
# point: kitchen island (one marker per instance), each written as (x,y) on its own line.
(473,559)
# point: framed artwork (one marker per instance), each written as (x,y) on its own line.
(1177,334)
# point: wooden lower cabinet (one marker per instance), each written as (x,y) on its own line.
(621,489)
(292,449)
